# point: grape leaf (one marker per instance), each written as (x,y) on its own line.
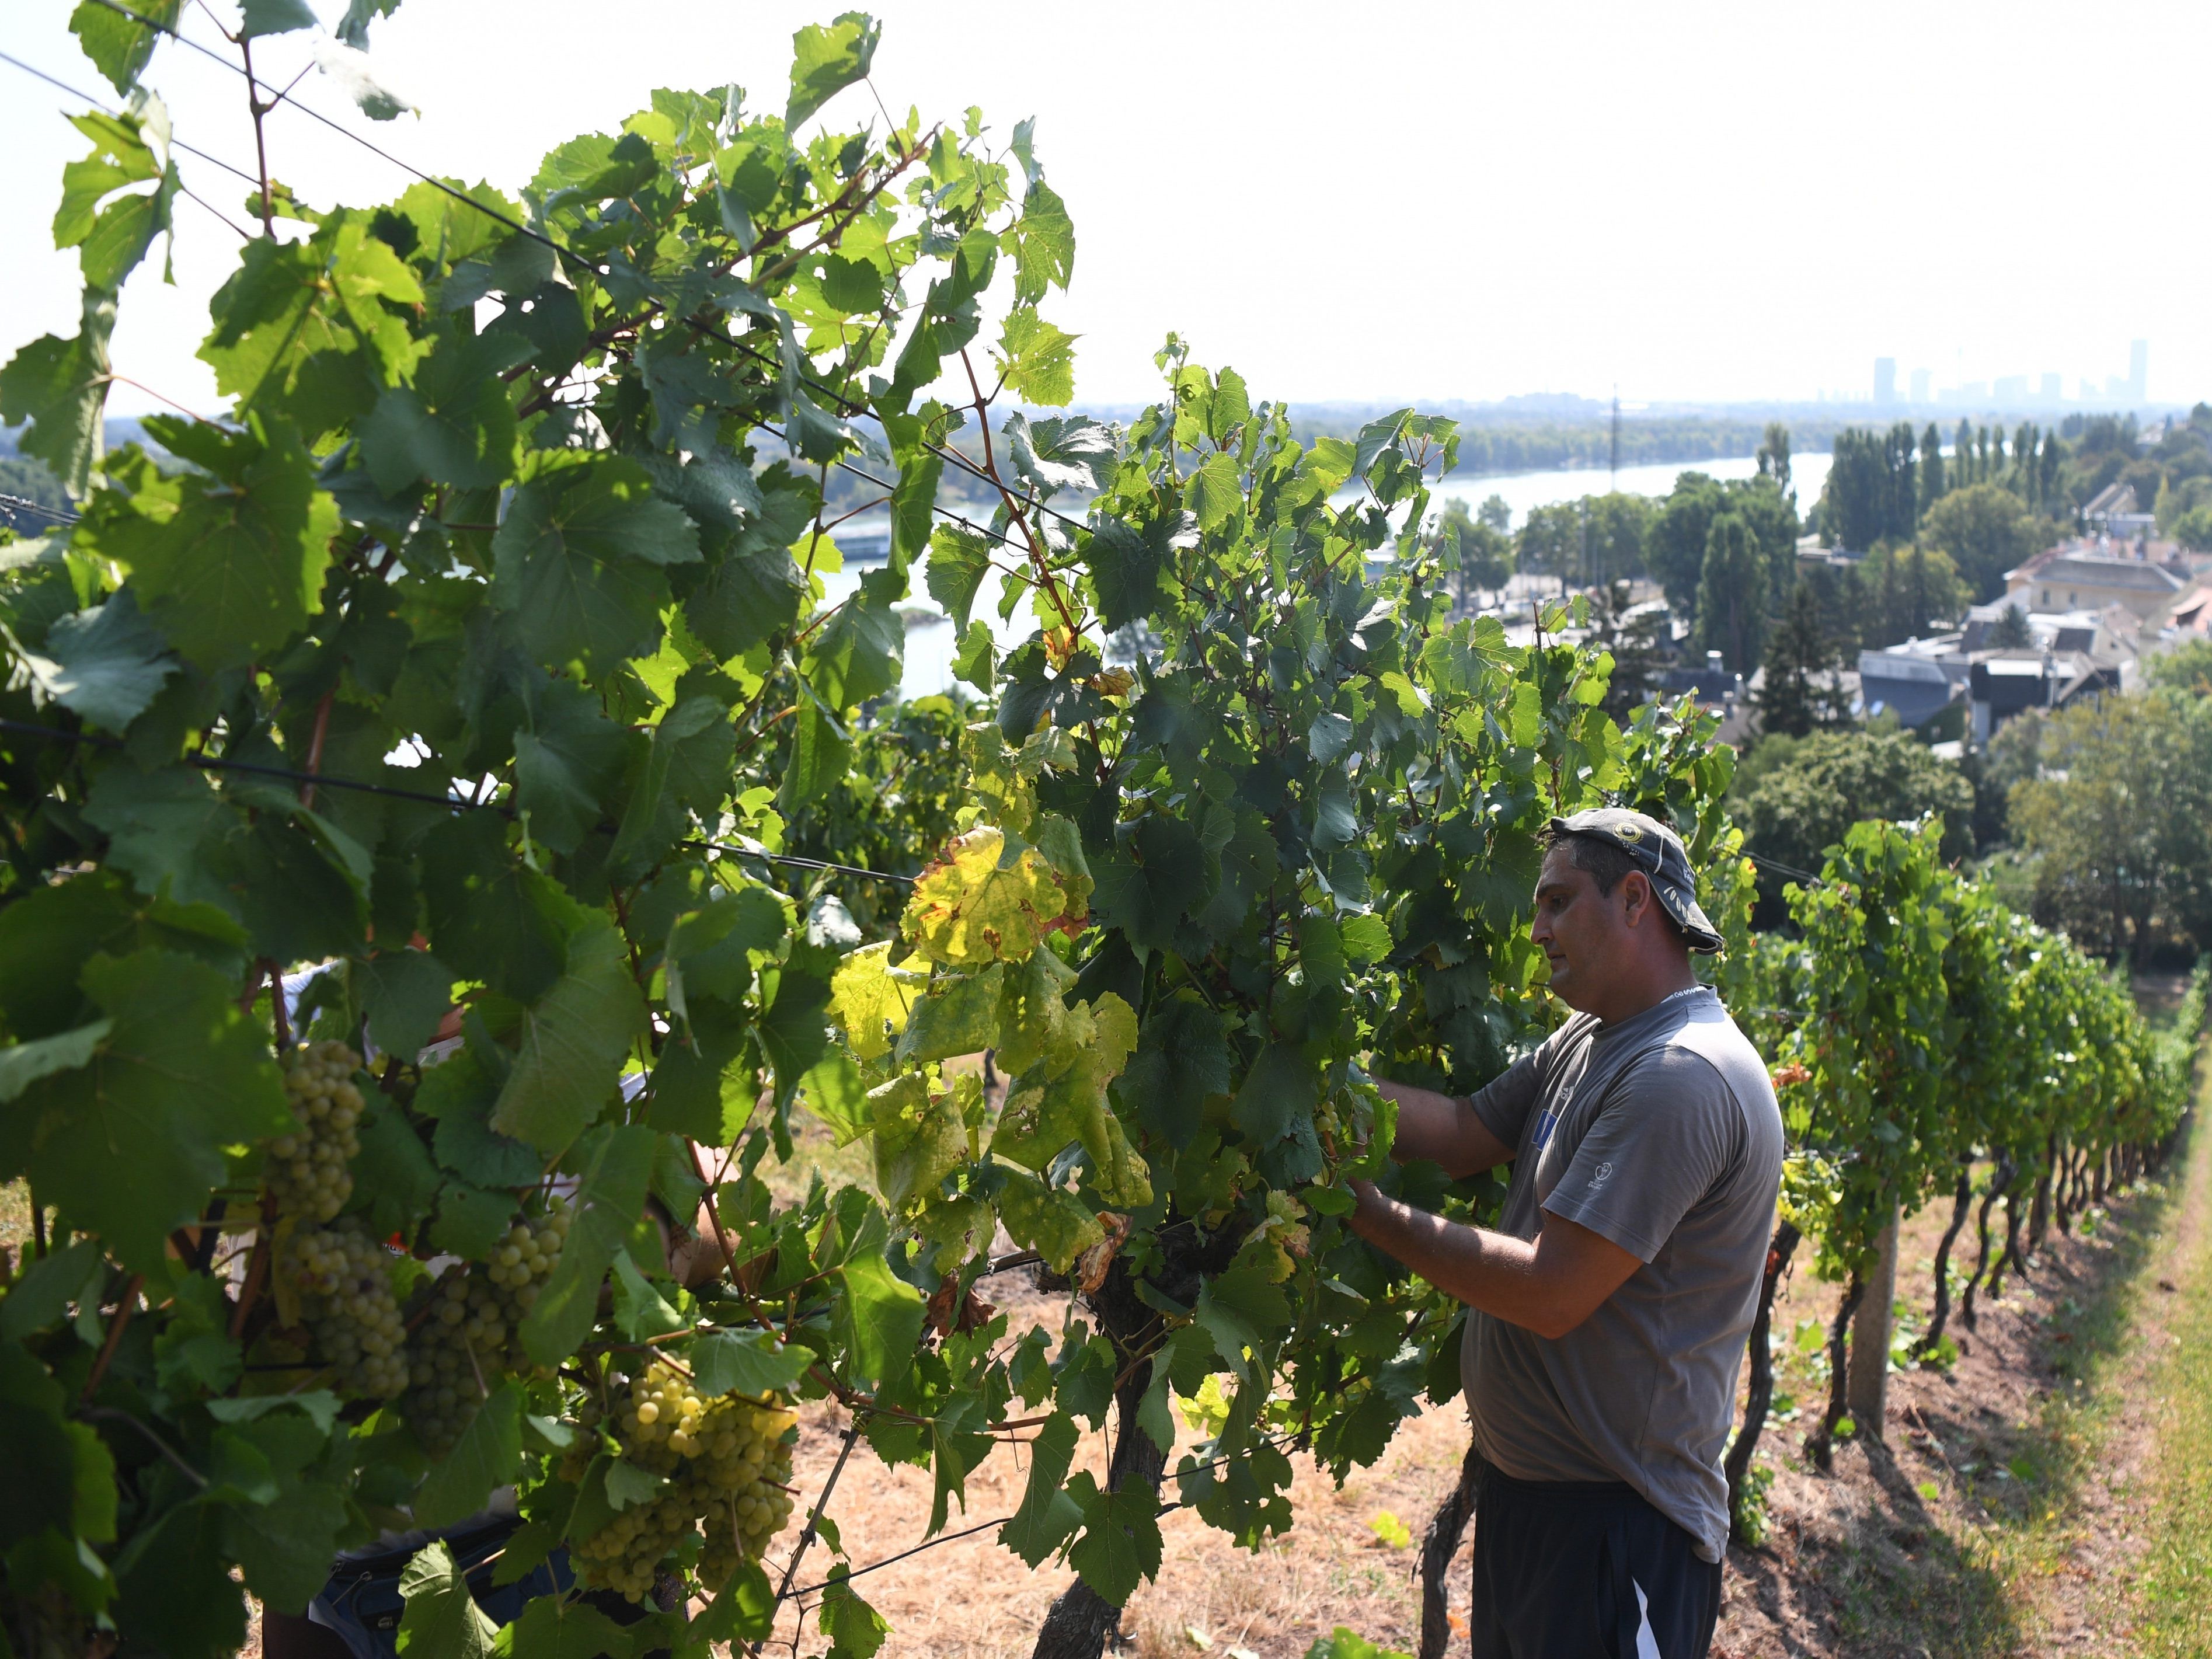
(826,59)
(1119,1547)
(1062,1098)
(573,1042)
(959,561)
(454,425)
(1241,1310)
(485,1458)
(471,1222)
(47,935)
(880,1317)
(60,387)
(228,562)
(441,1621)
(113,224)
(1048,1220)
(552,1627)
(491,917)
(919,1138)
(1042,242)
(104,662)
(640,1309)
(174,1591)
(119,47)
(130,1143)
(617,1166)
(872,999)
(260,17)
(855,1629)
(970,908)
(23,1063)
(749,1361)
(576,561)
(1040,358)
(404,994)
(392,1169)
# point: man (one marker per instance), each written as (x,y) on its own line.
(1608,1314)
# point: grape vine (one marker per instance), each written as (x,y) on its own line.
(482,658)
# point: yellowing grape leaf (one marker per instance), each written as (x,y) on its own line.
(1062,1097)
(872,999)
(1048,1220)
(1031,1013)
(1004,794)
(919,1138)
(967,911)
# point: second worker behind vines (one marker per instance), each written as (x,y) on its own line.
(1608,1314)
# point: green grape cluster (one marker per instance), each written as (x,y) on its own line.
(344,1279)
(727,1464)
(308,1171)
(468,1332)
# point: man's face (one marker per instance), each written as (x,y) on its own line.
(1579,929)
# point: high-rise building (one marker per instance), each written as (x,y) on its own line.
(1919,386)
(2051,393)
(2138,371)
(2010,390)
(1884,381)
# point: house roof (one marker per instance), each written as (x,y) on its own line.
(2112,498)
(2096,570)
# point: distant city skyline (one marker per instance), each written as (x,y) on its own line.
(2045,390)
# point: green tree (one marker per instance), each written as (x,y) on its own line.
(2010,631)
(1932,484)
(2187,667)
(1799,806)
(1962,455)
(1675,541)
(1987,531)
(2193,529)
(1494,513)
(2117,818)
(1478,556)
(1731,593)
(1774,455)
(1799,693)
(1637,644)
(1871,494)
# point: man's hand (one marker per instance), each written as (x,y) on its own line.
(1548,1286)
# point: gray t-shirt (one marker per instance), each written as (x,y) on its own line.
(1660,1133)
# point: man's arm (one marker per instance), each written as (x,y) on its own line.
(1548,1286)
(1442,1129)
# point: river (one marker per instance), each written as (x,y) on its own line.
(930,643)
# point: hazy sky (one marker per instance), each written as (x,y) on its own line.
(1689,201)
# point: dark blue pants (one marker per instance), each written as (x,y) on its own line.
(1570,1569)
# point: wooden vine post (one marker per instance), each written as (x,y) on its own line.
(1867,1388)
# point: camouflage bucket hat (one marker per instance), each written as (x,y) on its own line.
(1658,852)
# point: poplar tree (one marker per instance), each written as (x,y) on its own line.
(1728,592)
(1931,468)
